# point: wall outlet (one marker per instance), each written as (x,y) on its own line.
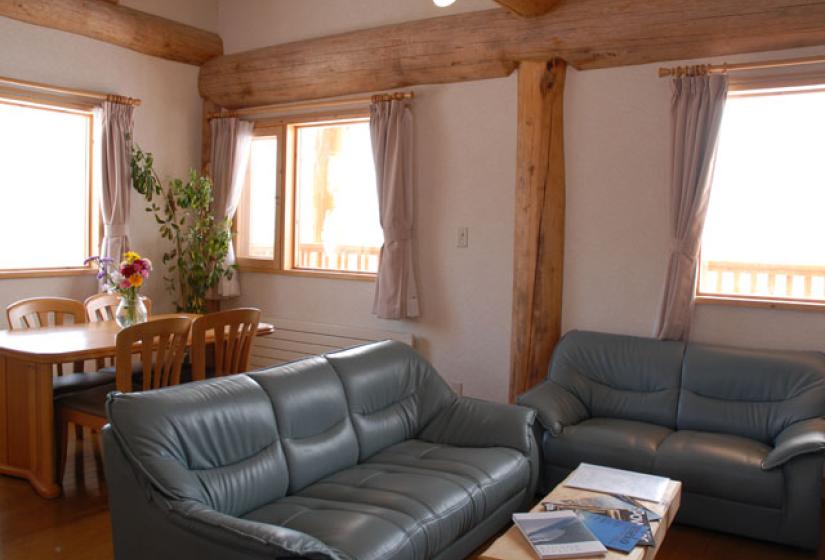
(463,237)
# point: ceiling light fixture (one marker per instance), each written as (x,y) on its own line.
(443,3)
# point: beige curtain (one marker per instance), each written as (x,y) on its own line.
(231,143)
(391,130)
(696,113)
(117,124)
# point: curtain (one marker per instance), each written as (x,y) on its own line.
(117,124)
(696,113)
(391,131)
(231,143)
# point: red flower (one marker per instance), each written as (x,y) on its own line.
(127,270)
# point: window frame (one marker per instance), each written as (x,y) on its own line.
(283,262)
(94,224)
(763,85)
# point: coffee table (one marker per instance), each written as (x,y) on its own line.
(513,546)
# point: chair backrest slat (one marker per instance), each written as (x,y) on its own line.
(232,333)
(35,312)
(162,346)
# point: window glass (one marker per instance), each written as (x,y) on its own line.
(336,204)
(764,236)
(44,187)
(257,236)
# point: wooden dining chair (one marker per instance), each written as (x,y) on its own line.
(161,344)
(102,307)
(232,333)
(56,311)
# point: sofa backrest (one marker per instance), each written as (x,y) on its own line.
(617,376)
(313,419)
(392,392)
(215,442)
(751,393)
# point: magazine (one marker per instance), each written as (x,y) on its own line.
(614,533)
(616,481)
(558,534)
(635,516)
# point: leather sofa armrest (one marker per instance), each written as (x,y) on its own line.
(250,537)
(556,406)
(807,436)
(471,422)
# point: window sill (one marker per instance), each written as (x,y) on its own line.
(46,273)
(789,304)
(328,275)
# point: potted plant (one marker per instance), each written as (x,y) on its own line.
(184,213)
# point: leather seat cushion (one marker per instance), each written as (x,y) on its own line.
(623,444)
(90,401)
(720,465)
(74,382)
(411,500)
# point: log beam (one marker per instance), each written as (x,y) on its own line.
(538,256)
(529,8)
(110,22)
(488,44)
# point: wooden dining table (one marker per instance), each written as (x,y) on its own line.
(27,426)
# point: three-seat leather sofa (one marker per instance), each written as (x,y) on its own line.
(742,429)
(361,454)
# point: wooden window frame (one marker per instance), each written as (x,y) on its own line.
(94,222)
(286,129)
(752,86)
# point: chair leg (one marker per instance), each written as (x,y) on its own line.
(78,432)
(62,445)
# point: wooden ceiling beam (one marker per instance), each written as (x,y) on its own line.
(488,44)
(529,8)
(106,20)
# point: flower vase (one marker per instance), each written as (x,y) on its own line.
(131,311)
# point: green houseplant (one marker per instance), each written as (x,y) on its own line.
(184,213)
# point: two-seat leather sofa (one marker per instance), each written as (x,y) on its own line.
(742,429)
(361,454)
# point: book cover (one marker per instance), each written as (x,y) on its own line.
(613,507)
(614,533)
(558,534)
(616,481)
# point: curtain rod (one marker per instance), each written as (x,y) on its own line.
(311,105)
(71,91)
(703,69)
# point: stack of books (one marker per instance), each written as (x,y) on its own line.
(589,526)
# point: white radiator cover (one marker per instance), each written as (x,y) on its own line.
(293,340)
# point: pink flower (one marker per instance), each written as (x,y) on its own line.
(144,273)
(147,264)
(125,284)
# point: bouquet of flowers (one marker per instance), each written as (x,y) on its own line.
(127,280)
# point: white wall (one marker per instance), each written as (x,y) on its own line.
(250,24)
(465,172)
(168,122)
(617,141)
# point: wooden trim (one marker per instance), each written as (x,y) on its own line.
(488,44)
(324,274)
(323,104)
(45,273)
(763,303)
(538,259)
(106,21)
(41,88)
(529,8)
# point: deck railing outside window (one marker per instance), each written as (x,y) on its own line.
(780,281)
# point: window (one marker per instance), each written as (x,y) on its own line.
(310,203)
(764,236)
(46,188)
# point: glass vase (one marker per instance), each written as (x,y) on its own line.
(131,311)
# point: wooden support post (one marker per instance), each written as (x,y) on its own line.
(539,237)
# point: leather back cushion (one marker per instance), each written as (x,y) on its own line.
(214,442)
(392,391)
(618,376)
(313,419)
(750,393)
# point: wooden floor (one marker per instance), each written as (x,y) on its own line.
(76,526)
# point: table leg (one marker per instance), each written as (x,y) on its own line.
(27,438)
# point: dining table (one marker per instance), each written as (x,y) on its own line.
(27,422)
